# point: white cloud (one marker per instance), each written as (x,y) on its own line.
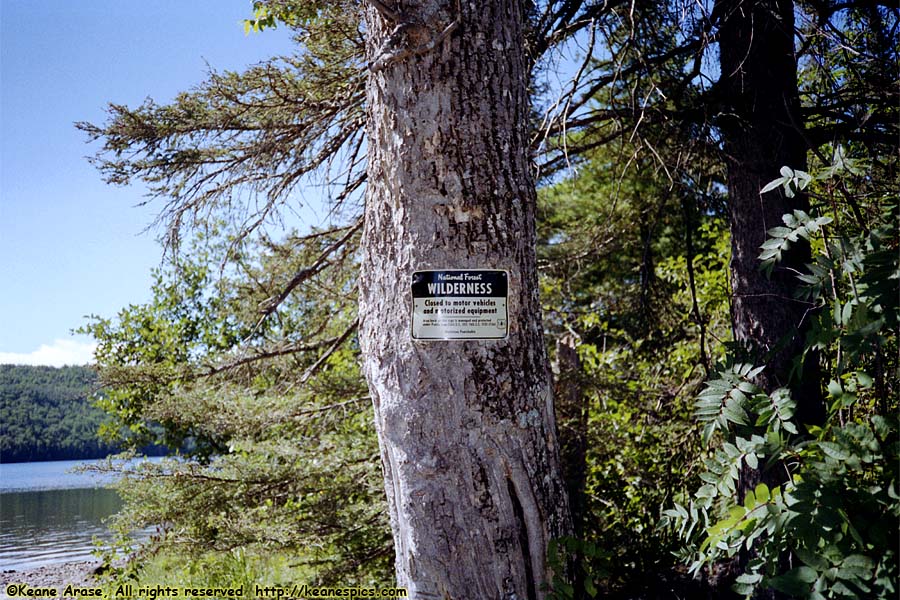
(60,352)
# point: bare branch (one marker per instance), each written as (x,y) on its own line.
(303,274)
(337,344)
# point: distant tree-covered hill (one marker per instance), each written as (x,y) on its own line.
(46,414)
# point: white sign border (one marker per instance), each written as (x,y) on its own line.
(412,307)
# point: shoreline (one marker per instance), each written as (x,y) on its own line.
(58,575)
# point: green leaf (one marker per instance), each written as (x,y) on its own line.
(858,562)
(864,379)
(834,450)
(706,491)
(812,559)
(751,460)
(737,512)
(796,582)
(846,313)
(834,388)
(749,500)
(803,178)
(780,232)
(746,583)
(773,184)
(734,412)
(753,372)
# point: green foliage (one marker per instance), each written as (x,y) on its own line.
(797,225)
(181,321)
(586,556)
(293,13)
(228,569)
(823,522)
(615,275)
(47,413)
(267,409)
(837,516)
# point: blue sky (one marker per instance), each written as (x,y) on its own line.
(69,244)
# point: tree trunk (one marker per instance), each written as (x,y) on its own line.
(572,412)
(466,428)
(762,133)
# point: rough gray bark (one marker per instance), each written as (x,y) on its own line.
(466,428)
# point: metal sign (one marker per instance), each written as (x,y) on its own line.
(464,304)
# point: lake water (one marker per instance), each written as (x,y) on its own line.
(49,514)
